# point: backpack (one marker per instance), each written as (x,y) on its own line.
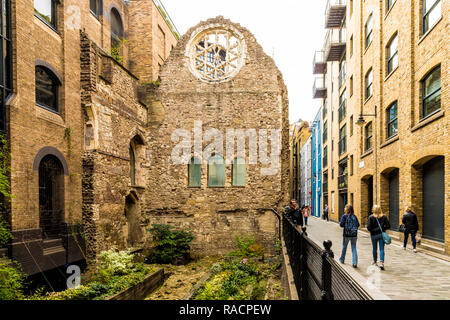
(351,226)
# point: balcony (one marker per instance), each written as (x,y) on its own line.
(335,44)
(343,182)
(319,63)
(325,188)
(343,146)
(335,13)
(319,88)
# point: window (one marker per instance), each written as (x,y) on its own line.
(389,4)
(325,157)
(195,173)
(342,71)
(369,82)
(325,110)
(392,121)
(46,10)
(351,8)
(96,7)
(6,62)
(132,165)
(117,33)
(351,165)
(431,92)
(351,86)
(351,46)
(431,13)
(368,136)
(392,54)
(343,140)
(342,106)
(216,171)
(351,126)
(47,87)
(325,132)
(239,172)
(369,31)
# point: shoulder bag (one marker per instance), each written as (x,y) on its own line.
(386,237)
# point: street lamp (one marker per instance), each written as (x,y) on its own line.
(361,122)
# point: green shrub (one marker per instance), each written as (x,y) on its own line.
(169,244)
(247,247)
(11,281)
(5,235)
(113,262)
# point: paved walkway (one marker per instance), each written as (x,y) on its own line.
(407,275)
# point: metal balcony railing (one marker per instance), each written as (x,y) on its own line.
(335,44)
(319,88)
(319,63)
(343,182)
(167,18)
(335,13)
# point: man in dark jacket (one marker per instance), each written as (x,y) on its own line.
(411,227)
(293,213)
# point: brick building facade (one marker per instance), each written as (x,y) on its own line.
(71,119)
(386,63)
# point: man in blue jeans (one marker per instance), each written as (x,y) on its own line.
(350,224)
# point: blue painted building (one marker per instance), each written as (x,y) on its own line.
(317,165)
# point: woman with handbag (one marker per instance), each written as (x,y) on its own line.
(377,225)
(410,226)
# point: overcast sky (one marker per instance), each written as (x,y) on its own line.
(292,30)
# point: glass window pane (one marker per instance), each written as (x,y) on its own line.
(216,172)
(432,82)
(44,9)
(46,89)
(432,103)
(239,172)
(195,174)
(428,4)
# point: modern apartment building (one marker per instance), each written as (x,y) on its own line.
(383,79)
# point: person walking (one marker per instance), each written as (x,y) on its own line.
(376,225)
(325,213)
(306,214)
(411,224)
(350,224)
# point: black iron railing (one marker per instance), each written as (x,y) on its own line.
(317,276)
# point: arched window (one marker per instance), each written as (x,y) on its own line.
(117,33)
(51,197)
(195,173)
(47,87)
(46,10)
(239,172)
(216,171)
(431,92)
(136,154)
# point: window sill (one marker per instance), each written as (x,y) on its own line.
(48,109)
(367,153)
(367,100)
(54,28)
(95,15)
(389,141)
(425,121)
(390,74)
(429,30)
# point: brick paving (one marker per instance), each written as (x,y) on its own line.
(407,275)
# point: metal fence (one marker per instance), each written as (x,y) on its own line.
(317,275)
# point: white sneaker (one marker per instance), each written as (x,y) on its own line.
(415,250)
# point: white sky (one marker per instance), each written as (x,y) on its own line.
(293,29)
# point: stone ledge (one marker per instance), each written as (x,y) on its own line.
(428,120)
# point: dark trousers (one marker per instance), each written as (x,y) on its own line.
(413,238)
(325,216)
(306,221)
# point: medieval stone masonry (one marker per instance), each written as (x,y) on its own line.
(100,91)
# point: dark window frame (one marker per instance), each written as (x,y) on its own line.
(424,98)
(390,56)
(425,14)
(343,139)
(342,111)
(392,122)
(53,23)
(98,10)
(56,83)
(368,34)
(325,157)
(367,85)
(368,139)
(6,82)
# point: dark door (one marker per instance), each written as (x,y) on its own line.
(393,199)
(433,199)
(343,200)
(51,197)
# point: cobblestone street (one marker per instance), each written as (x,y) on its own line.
(407,275)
